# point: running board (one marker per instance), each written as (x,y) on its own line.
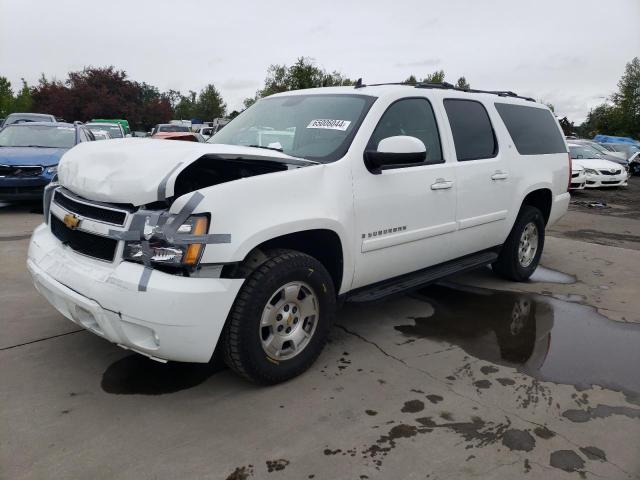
(420,278)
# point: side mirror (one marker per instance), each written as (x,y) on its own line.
(401,150)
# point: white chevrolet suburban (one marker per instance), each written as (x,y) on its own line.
(306,200)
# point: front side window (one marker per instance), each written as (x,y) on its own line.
(411,117)
(315,127)
(25,135)
(533,130)
(472,130)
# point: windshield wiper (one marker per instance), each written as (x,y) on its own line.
(267,148)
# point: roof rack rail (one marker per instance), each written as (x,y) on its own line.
(446,86)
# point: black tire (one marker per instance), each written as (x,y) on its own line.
(508,264)
(243,350)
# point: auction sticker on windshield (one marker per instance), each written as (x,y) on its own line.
(330,124)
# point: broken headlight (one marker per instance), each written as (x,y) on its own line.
(162,252)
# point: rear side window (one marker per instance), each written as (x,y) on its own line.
(413,117)
(472,130)
(533,130)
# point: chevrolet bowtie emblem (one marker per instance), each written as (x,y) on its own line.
(71,221)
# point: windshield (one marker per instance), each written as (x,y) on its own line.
(173,128)
(113,130)
(315,127)
(583,151)
(599,148)
(25,135)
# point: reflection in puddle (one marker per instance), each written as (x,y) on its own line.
(546,338)
(136,374)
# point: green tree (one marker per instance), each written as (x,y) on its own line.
(627,100)
(23,101)
(435,77)
(304,73)
(210,104)
(411,80)
(6,97)
(463,84)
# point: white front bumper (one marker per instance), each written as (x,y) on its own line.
(177,318)
(595,181)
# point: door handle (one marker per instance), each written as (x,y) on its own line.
(499,175)
(441,184)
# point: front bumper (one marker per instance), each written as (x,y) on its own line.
(16,189)
(596,181)
(578,180)
(177,318)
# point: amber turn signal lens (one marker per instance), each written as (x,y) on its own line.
(200,226)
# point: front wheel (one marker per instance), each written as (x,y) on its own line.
(521,252)
(280,320)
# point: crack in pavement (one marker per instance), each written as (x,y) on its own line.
(473,400)
(42,339)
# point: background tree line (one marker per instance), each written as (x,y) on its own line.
(621,114)
(105,92)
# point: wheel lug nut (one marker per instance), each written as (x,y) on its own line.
(295,320)
(294,309)
(278,317)
(286,308)
(280,327)
(288,330)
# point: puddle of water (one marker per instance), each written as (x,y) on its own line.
(136,374)
(546,275)
(546,338)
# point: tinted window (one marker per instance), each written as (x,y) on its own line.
(413,117)
(533,130)
(472,131)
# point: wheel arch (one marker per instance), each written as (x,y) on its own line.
(324,244)
(542,199)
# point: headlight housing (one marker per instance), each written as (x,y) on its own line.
(163,253)
(591,171)
(51,170)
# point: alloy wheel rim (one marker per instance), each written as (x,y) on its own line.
(289,320)
(528,245)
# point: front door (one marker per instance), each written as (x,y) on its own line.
(405,216)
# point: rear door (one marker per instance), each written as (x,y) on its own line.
(483,176)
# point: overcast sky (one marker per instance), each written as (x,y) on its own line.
(569,53)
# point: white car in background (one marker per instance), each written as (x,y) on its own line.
(101,134)
(578,177)
(599,172)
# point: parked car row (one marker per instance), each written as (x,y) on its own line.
(603,164)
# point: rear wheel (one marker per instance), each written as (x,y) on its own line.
(280,320)
(521,252)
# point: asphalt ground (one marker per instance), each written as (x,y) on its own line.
(474,377)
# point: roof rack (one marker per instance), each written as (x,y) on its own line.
(446,86)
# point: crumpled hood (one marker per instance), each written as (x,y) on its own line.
(45,157)
(131,170)
(596,163)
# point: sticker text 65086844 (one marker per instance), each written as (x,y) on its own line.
(330,124)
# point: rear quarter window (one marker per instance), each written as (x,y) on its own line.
(533,130)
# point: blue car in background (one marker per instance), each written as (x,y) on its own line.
(29,156)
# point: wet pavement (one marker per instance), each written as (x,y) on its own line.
(546,338)
(473,377)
